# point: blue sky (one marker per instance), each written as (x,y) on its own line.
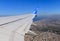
(49,7)
(17,7)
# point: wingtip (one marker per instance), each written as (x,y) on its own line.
(35,11)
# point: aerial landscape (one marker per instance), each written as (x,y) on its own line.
(47,29)
(29,20)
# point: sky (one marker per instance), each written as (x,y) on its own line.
(48,7)
(17,7)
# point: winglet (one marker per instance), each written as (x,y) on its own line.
(35,11)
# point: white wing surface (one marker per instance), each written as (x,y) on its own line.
(13,28)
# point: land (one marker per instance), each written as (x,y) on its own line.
(47,29)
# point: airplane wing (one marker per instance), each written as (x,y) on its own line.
(13,28)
